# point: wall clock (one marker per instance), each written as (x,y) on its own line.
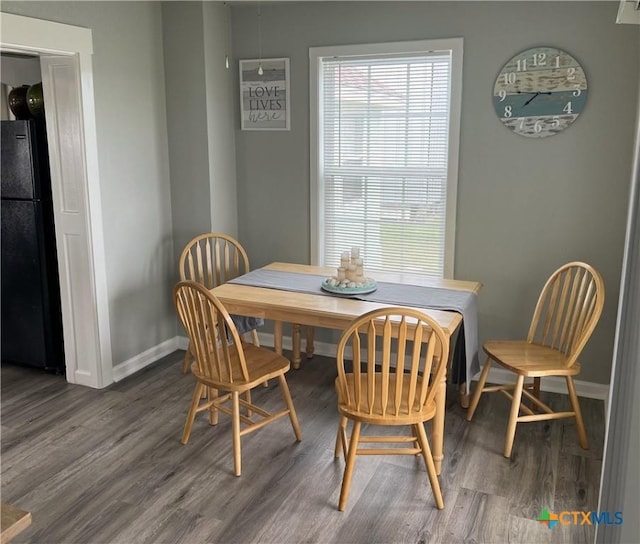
(540,92)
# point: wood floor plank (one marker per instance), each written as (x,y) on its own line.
(108,467)
(528,531)
(309,513)
(576,489)
(593,415)
(105,525)
(402,496)
(477,517)
(533,468)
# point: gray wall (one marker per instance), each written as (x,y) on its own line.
(16,71)
(133,161)
(184,61)
(220,119)
(525,206)
(200,120)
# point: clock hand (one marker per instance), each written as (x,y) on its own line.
(530,99)
(534,95)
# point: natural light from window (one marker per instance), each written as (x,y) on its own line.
(382,176)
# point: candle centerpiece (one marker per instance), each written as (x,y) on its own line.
(350,278)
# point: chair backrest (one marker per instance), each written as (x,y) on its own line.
(214,339)
(568,309)
(213,259)
(406,355)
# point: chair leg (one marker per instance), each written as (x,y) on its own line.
(513,417)
(247,398)
(348,469)
(431,468)
(473,404)
(414,433)
(575,404)
(191,415)
(187,359)
(536,388)
(295,346)
(235,423)
(341,438)
(292,411)
(254,338)
(212,393)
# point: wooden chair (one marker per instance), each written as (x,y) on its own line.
(391,388)
(223,362)
(212,259)
(567,311)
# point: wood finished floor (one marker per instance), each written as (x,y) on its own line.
(107,466)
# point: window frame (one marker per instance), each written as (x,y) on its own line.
(316,55)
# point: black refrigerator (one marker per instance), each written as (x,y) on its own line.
(31,326)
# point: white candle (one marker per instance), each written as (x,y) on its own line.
(342,273)
(355,252)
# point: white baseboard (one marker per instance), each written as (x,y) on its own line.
(145,358)
(552,384)
(183,342)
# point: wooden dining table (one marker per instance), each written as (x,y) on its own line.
(335,312)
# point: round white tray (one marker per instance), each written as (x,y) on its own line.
(369,288)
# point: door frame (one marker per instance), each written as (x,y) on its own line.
(88,357)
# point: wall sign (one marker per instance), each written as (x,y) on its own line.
(264,98)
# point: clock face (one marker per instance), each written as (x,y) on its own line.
(540,92)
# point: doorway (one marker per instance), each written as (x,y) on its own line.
(65,54)
(31,317)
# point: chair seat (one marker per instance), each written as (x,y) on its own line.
(377,416)
(262,364)
(528,359)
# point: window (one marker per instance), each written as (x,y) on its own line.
(384,154)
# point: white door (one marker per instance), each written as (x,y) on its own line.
(81,313)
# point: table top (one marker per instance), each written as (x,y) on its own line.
(325,311)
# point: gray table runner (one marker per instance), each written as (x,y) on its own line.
(434,298)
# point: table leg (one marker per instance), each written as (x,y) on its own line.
(437,430)
(277,337)
(295,341)
(464,397)
(310,348)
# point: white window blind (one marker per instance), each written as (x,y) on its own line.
(383,159)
